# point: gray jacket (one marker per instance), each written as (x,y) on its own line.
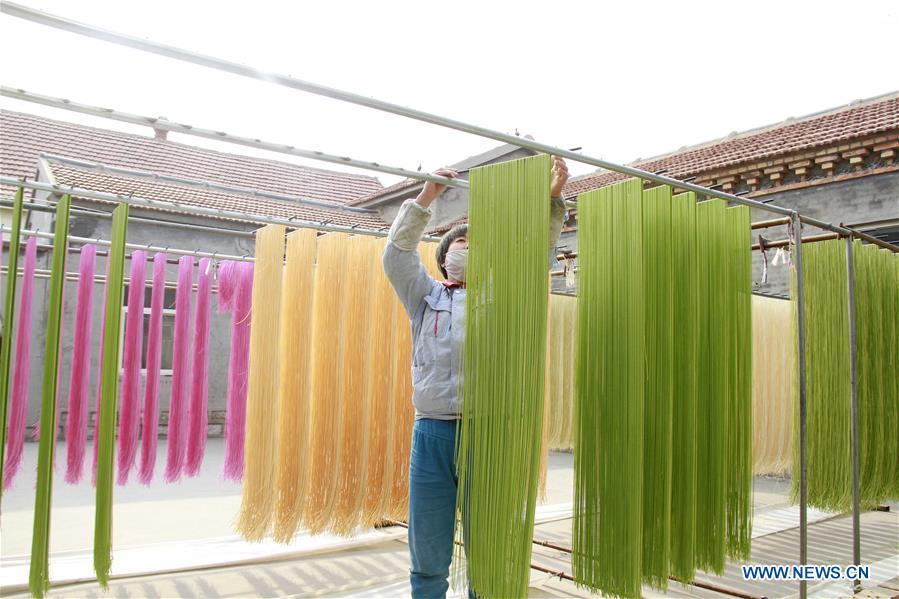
(437,313)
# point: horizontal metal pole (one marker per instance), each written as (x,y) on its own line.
(198,184)
(192,210)
(134,246)
(50,207)
(227,66)
(166,125)
(874,241)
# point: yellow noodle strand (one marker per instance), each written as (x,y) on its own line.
(328,309)
(260,445)
(296,319)
(356,405)
(772,381)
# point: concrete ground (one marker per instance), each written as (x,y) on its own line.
(189,525)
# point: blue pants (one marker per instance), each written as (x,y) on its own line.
(432,506)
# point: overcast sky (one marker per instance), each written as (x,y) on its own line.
(621,79)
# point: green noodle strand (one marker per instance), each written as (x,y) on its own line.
(711,408)
(827,378)
(9,309)
(876,290)
(658,273)
(685,381)
(608,452)
(663,451)
(505,353)
(738,263)
(828,369)
(39,576)
(110,396)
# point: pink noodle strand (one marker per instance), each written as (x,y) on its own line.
(79,385)
(36,428)
(129,414)
(198,416)
(238,297)
(100,373)
(178,406)
(18,406)
(150,433)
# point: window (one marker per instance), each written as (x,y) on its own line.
(168,327)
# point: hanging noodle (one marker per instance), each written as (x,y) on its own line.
(827,377)
(504,367)
(663,450)
(100,376)
(772,381)
(236,295)
(328,309)
(150,429)
(129,417)
(738,441)
(685,380)
(610,391)
(658,287)
(355,407)
(877,309)
(561,329)
(711,411)
(258,502)
(39,575)
(559,385)
(79,384)
(177,425)
(18,404)
(6,337)
(380,422)
(110,371)
(198,416)
(294,400)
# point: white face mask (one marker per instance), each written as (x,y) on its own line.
(455,264)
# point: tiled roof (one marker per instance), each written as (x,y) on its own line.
(851,122)
(143,188)
(24,136)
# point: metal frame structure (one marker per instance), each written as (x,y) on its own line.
(180,208)
(796,219)
(107,169)
(136,246)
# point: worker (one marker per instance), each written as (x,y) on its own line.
(436,310)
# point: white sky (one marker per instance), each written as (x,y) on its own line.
(622,79)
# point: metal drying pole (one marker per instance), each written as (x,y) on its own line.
(853,407)
(178,207)
(803,412)
(184,129)
(198,184)
(136,246)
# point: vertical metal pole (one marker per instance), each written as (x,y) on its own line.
(853,431)
(803,432)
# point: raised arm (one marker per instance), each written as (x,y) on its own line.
(402,264)
(557,207)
